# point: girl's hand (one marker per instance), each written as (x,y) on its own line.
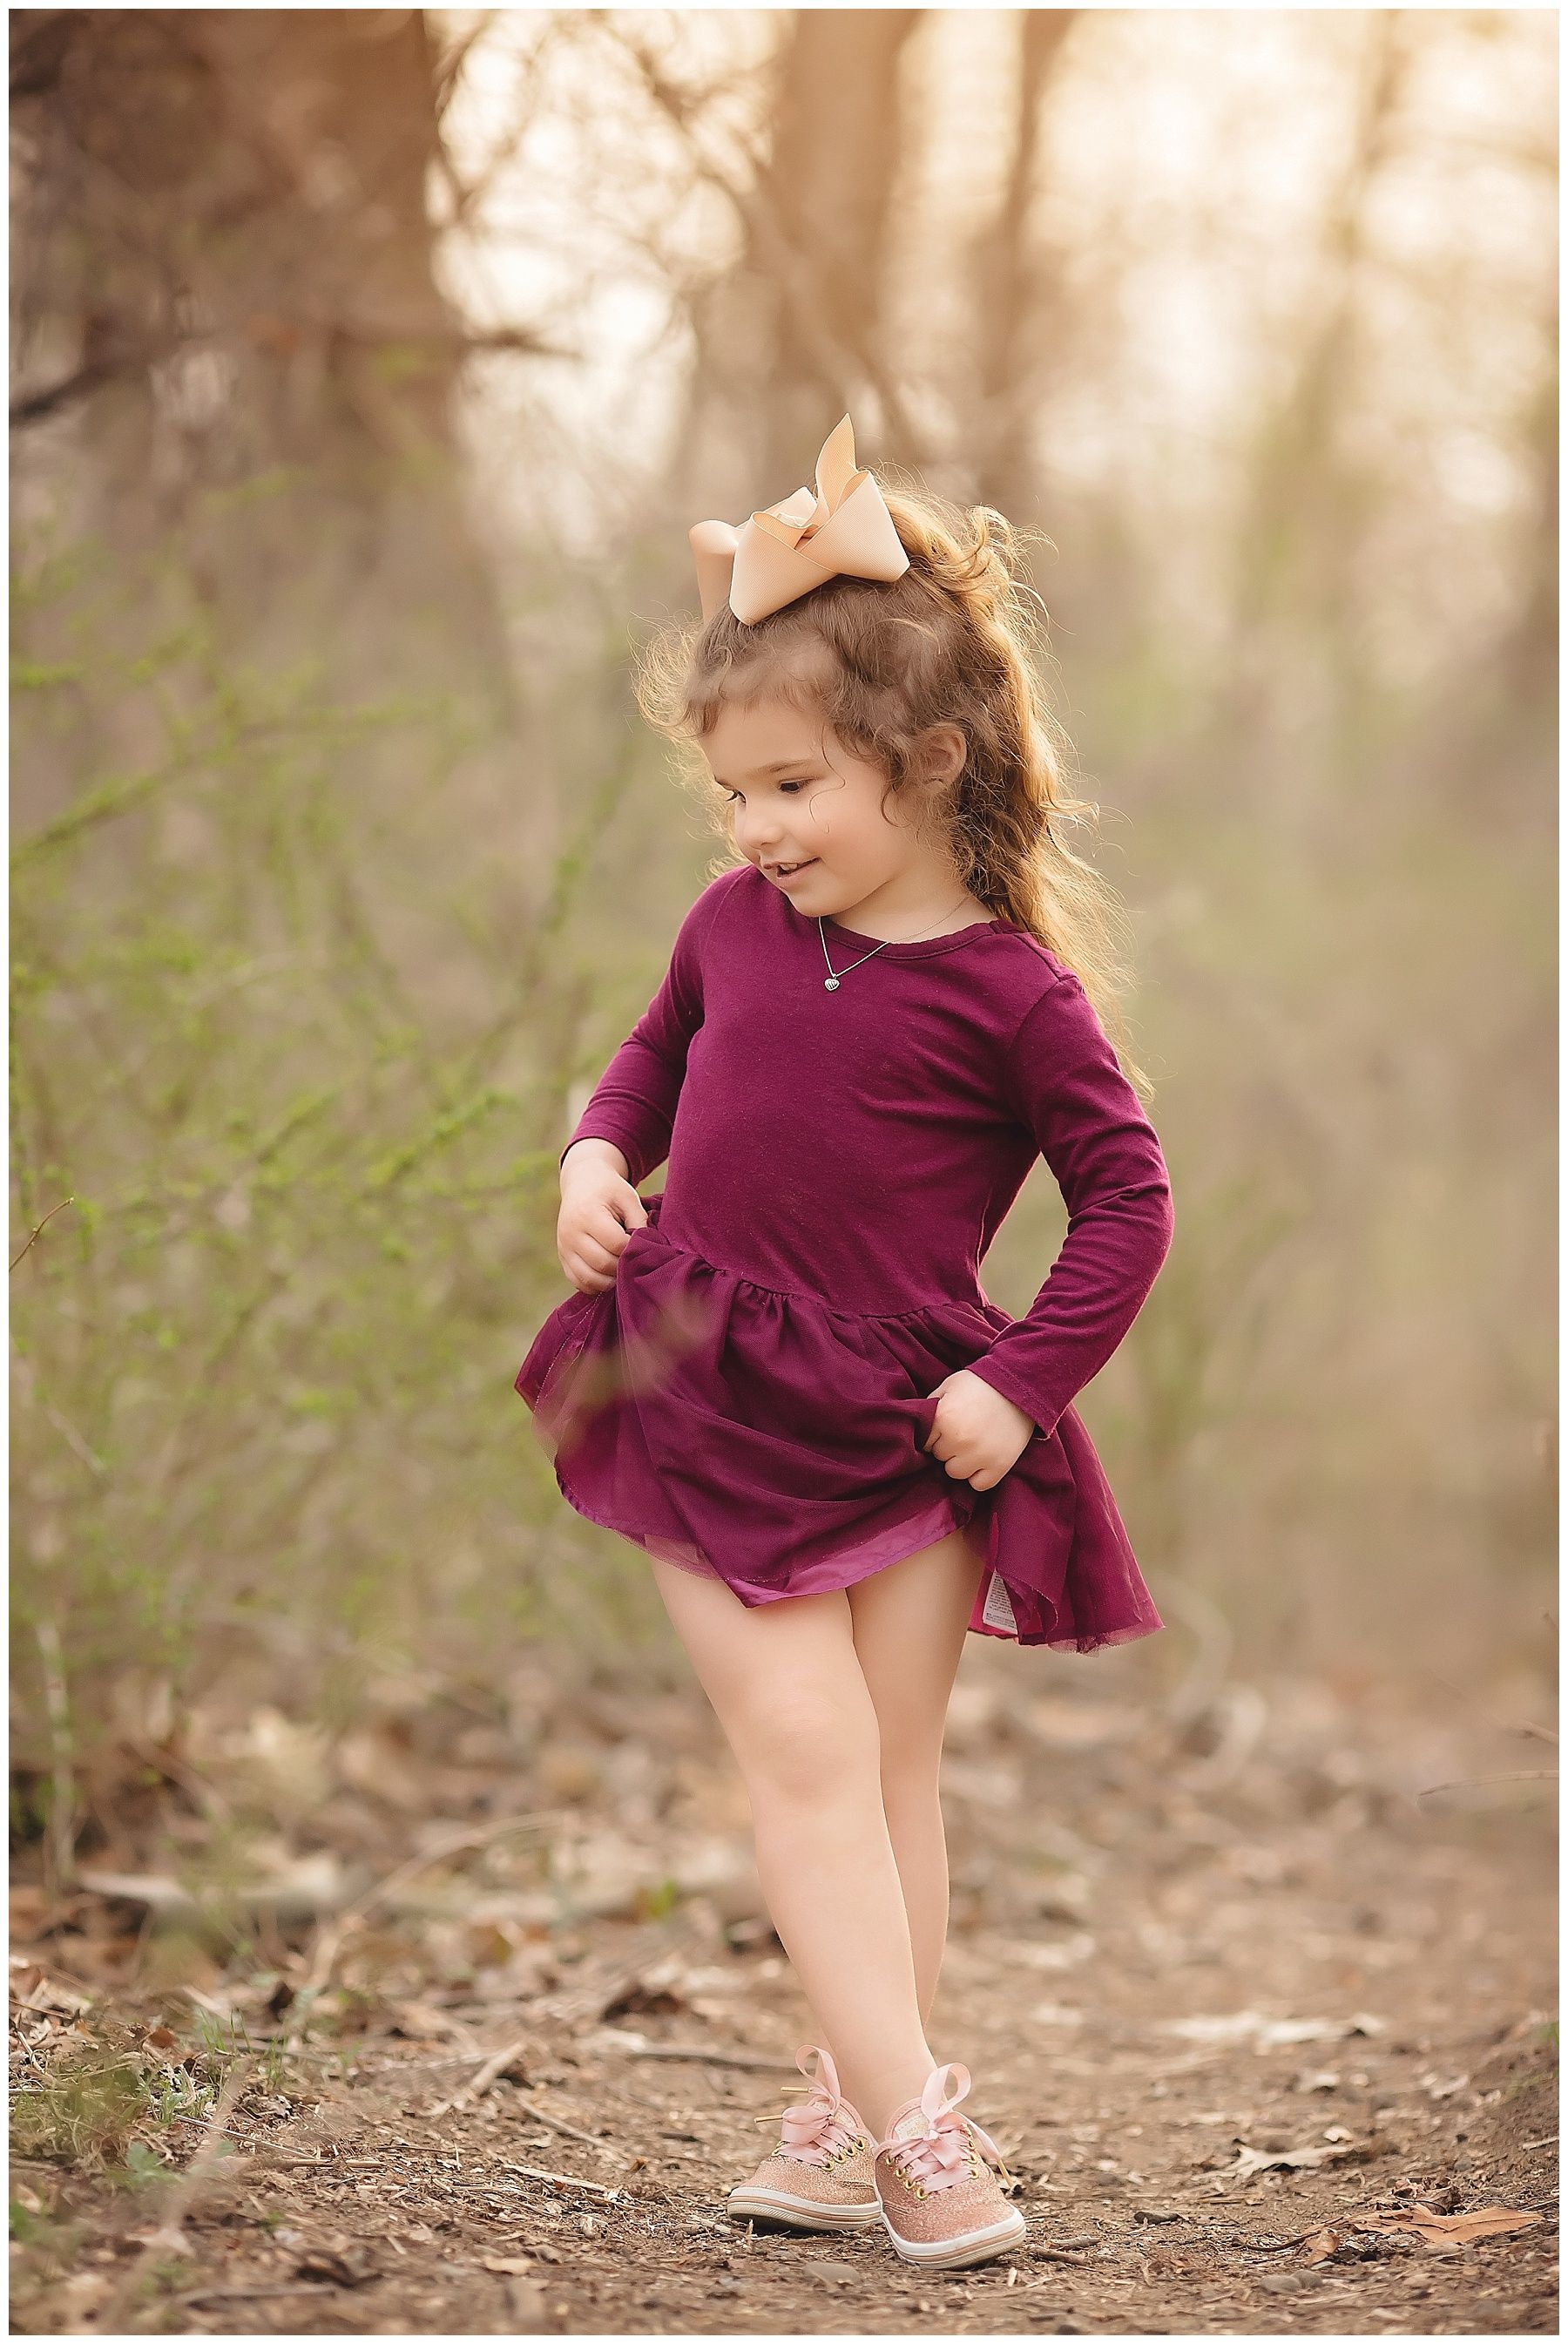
(600,1209)
(976,1434)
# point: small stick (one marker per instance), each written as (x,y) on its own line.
(573,2132)
(635,2048)
(478,2084)
(1468,1782)
(42,1225)
(394,2066)
(571,2181)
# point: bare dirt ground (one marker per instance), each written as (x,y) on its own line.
(1256,2012)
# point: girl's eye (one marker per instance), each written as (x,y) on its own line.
(734,796)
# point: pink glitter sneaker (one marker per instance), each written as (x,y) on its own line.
(942,2206)
(819,2178)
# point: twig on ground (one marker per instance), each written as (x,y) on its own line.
(568,2180)
(1471,1781)
(635,2047)
(495,2067)
(559,2124)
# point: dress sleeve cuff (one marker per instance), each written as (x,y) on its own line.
(993,1367)
(603,1124)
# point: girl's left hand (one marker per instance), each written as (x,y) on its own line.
(976,1434)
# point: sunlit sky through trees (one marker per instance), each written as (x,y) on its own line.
(1191,199)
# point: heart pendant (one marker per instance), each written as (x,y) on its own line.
(830,985)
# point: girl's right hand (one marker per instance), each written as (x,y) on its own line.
(600,1209)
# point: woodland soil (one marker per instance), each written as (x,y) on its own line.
(504,2090)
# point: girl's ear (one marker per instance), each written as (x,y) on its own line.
(944,753)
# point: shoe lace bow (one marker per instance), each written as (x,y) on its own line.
(945,2152)
(822,2125)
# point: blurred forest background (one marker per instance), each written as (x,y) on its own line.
(369,368)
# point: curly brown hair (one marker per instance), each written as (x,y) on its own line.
(955,640)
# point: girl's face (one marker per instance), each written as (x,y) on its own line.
(811,817)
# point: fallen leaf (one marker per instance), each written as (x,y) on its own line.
(1318,2245)
(1449,2229)
(515,2266)
(1257,2160)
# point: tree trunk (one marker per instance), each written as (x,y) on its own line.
(1018,296)
(230,336)
(794,337)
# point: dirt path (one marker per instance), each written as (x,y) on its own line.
(1179,1967)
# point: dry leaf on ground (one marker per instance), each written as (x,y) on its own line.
(1450,2229)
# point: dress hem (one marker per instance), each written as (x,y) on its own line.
(943,1516)
(649,1542)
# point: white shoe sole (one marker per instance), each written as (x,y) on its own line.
(971,2247)
(802,2213)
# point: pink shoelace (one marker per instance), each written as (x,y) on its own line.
(943,2154)
(822,2125)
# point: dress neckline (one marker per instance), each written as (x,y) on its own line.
(917,948)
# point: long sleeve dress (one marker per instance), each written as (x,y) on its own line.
(749,1398)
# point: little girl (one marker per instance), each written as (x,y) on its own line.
(780,1377)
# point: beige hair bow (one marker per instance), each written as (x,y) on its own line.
(845,531)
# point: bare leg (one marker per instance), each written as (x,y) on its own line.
(909,1622)
(786,1682)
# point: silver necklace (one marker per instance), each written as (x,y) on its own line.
(831,982)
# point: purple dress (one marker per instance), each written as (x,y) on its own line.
(750,1398)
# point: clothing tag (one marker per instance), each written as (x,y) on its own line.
(914,2122)
(998,1611)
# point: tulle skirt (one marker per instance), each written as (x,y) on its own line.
(765,1439)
